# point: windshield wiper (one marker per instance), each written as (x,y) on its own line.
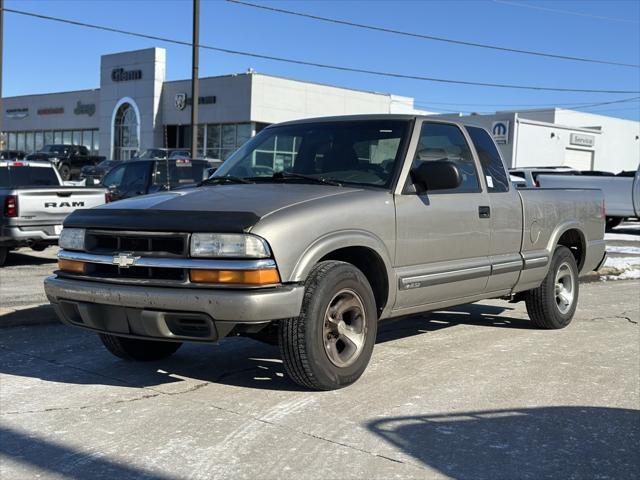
(223,179)
(325,181)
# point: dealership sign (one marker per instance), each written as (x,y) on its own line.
(500,132)
(181,100)
(17,112)
(582,140)
(85,108)
(122,75)
(50,111)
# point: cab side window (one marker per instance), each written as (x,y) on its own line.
(492,166)
(441,141)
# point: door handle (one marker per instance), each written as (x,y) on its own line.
(484,212)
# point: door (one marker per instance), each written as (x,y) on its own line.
(442,236)
(128,180)
(505,226)
(578,159)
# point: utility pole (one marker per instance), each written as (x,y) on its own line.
(194,78)
(1,47)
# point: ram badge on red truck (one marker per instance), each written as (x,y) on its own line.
(317,229)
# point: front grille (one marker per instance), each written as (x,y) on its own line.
(141,244)
(143,273)
(148,244)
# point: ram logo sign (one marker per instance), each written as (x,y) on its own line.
(500,132)
(63,204)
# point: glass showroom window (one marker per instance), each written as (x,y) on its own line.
(28,144)
(20,143)
(12,141)
(67,139)
(125,133)
(48,138)
(39,141)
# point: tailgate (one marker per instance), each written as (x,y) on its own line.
(50,206)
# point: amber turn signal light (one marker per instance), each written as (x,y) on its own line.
(236,277)
(71,266)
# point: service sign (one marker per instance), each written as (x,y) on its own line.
(582,140)
(17,112)
(500,132)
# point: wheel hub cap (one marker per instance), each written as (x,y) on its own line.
(564,288)
(344,328)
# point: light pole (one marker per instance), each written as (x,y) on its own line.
(194,78)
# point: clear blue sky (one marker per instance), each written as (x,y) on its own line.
(42,56)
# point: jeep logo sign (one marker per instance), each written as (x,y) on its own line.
(122,75)
(63,204)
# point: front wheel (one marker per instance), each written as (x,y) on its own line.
(330,344)
(138,350)
(553,304)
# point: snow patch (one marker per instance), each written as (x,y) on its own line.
(617,249)
(621,237)
(620,268)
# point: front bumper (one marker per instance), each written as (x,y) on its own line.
(168,313)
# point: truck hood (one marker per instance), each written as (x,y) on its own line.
(219,208)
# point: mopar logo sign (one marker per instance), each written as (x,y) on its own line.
(500,132)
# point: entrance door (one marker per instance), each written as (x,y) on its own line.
(578,159)
(442,236)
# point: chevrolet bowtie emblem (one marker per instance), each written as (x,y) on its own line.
(124,260)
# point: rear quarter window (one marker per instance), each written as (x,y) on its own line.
(492,166)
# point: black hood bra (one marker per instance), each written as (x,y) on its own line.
(162,220)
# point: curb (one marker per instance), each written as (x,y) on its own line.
(36,314)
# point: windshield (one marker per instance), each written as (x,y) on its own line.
(153,153)
(359,152)
(57,149)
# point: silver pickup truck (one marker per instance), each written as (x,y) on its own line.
(34,203)
(314,231)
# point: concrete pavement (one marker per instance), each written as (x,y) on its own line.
(470,392)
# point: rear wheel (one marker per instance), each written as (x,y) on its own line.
(553,304)
(329,345)
(65,172)
(39,247)
(138,350)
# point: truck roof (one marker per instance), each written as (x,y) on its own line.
(371,116)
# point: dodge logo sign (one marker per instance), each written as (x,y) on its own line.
(181,100)
(124,260)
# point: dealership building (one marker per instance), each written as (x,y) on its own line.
(559,137)
(135,108)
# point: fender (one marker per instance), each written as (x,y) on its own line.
(342,239)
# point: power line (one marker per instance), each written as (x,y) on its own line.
(550,108)
(429,37)
(561,104)
(316,64)
(566,12)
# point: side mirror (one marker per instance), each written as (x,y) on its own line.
(436,175)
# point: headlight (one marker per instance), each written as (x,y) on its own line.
(72,239)
(228,245)
(54,160)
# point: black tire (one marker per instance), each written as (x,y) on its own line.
(65,172)
(4,251)
(39,247)
(138,350)
(612,222)
(546,309)
(302,339)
